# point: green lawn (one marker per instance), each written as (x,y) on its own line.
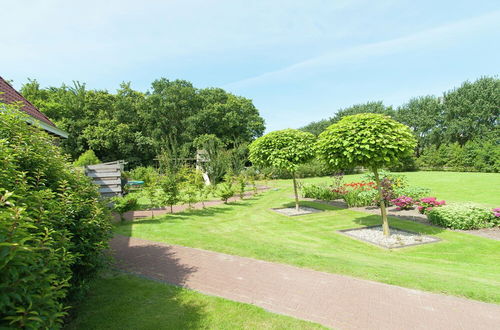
(461,264)
(119,301)
(481,188)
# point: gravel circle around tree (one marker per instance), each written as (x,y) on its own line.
(291,211)
(397,239)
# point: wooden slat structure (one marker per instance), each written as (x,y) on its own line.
(107,176)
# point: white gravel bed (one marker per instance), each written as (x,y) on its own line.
(291,211)
(398,238)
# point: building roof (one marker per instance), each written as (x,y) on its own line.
(9,95)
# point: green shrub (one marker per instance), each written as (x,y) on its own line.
(322,192)
(147,174)
(124,204)
(225,191)
(359,198)
(463,216)
(53,228)
(415,192)
(87,158)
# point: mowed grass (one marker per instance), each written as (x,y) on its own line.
(119,301)
(481,188)
(461,264)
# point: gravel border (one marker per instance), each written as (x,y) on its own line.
(374,231)
(291,212)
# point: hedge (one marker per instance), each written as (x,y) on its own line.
(53,227)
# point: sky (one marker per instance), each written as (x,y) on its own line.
(299,61)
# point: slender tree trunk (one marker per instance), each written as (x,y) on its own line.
(385,222)
(296,193)
(171,209)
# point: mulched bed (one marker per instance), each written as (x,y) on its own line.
(398,238)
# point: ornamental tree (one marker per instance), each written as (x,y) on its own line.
(370,140)
(285,150)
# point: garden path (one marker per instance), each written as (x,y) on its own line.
(333,300)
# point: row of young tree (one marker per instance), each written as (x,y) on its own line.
(136,126)
(461,126)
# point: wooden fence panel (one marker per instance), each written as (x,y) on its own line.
(107,176)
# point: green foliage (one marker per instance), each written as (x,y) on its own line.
(214,158)
(53,228)
(241,180)
(169,184)
(481,155)
(463,216)
(137,126)
(318,127)
(319,191)
(225,190)
(472,110)
(314,168)
(147,174)
(285,149)
(369,140)
(465,114)
(414,192)
(359,198)
(87,158)
(124,204)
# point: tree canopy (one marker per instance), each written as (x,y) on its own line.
(137,126)
(370,140)
(285,149)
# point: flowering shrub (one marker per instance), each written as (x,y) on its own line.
(358,193)
(404,202)
(496,212)
(463,216)
(428,203)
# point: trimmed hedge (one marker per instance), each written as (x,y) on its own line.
(463,216)
(53,227)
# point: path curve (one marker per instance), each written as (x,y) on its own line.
(337,301)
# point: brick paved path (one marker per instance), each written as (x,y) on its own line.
(333,300)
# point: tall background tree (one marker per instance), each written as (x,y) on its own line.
(137,126)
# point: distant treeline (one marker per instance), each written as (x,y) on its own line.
(137,126)
(456,131)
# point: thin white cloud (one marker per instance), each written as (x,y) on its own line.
(438,36)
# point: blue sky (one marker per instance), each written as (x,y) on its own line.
(298,61)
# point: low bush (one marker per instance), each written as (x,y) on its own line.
(463,216)
(147,174)
(358,198)
(318,191)
(124,204)
(53,227)
(427,204)
(414,192)
(225,190)
(404,203)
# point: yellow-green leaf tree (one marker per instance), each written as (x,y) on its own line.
(370,140)
(285,150)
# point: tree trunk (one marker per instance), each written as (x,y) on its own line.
(296,193)
(385,222)
(171,209)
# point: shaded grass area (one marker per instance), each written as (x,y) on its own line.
(481,188)
(461,264)
(120,301)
